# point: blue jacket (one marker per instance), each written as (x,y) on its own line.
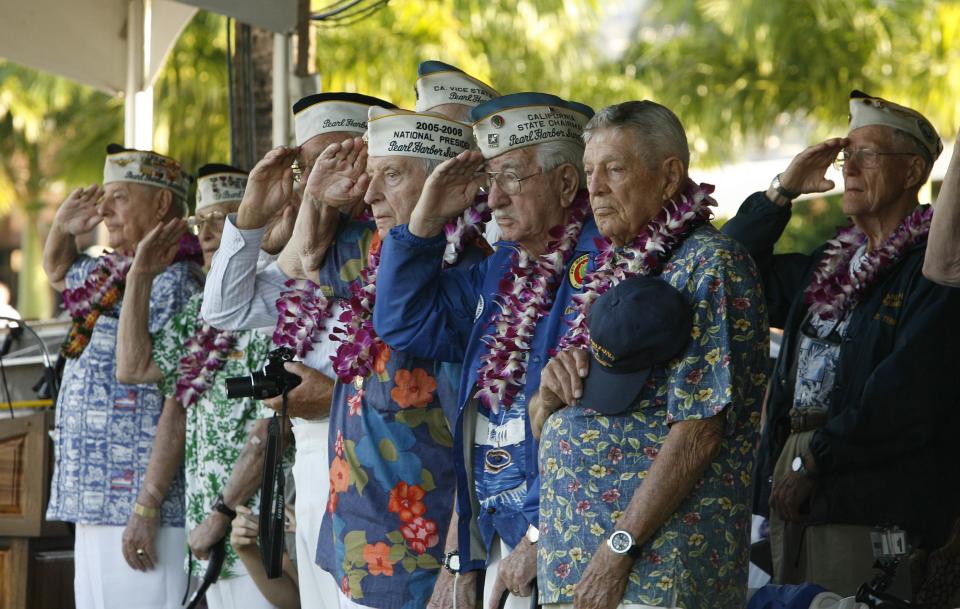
(443,315)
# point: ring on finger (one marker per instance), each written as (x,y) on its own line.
(141,552)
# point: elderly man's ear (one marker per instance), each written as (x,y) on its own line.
(167,208)
(673,174)
(569,184)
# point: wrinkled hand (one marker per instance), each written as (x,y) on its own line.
(443,593)
(158,248)
(516,572)
(450,189)
(313,233)
(790,494)
(563,375)
(807,171)
(140,534)
(339,176)
(280,228)
(244,529)
(269,188)
(206,534)
(604,580)
(78,213)
(543,404)
(308,400)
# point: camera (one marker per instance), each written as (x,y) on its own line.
(270,382)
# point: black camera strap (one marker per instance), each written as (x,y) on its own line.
(272,497)
(218,552)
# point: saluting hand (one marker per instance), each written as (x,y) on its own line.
(78,213)
(339,176)
(807,171)
(158,248)
(450,189)
(269,188)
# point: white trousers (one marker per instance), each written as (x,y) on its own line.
(311,474)
(498,550)
(104,580)
(239,592)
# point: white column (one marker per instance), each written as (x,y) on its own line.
(281,89)
(138,98)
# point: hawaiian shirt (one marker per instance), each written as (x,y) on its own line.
(217,427)
(105,429)
(391,462)
(591,465)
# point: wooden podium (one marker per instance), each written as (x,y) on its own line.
(36,556)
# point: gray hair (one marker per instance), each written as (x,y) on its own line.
(551,155)
(429,165)
(902,141)
(659,133)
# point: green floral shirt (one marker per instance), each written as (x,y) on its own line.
(591,465)
(217,427)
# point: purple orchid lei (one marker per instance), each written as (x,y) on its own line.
(303,313)
(525,295)
(835,288)
(206,353)
(643,256)
(359,344)
(467,226)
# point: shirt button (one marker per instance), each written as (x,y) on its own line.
(491,510)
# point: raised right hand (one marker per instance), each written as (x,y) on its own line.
(78,213)
(269,187)
(807,171)
(450,189)
(339,176)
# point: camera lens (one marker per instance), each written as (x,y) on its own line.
(240,387)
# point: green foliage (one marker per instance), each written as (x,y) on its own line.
(734,69)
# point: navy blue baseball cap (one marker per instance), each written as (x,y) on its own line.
(637,324)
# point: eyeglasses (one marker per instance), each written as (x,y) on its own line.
(214,220)
(864,157)
(509,182)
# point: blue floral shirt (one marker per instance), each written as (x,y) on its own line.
(591,465)
(105,429)
(391,463)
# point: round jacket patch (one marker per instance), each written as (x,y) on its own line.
(577,270)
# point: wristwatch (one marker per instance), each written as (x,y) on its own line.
(788,195)
(798,467)
(223,508)
(451,561)
(533,534)
(621,542)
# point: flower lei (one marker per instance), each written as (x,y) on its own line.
(103,289)
(643,256)
(526,294)
(303,312)
(206,353)
(304,309)
(837,287)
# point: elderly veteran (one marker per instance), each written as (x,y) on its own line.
(942,261)
(237,297)
(657,476)
(532,151)
(191,360)
(860,422)
(105,429)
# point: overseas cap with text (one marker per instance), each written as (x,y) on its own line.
(441,83)
(866,110)
(404,133)
(322,113)
(145,167)
(218,183)
(519,120)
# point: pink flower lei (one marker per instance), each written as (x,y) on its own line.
(836,288)
(206,353)
(526,294)
(303,313)
(643,256)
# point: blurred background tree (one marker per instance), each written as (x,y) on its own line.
(743,75)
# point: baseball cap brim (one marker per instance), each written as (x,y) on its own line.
(611,393)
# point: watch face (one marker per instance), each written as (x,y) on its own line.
(797,464)
(533,534)
(454,562)
(620,542)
